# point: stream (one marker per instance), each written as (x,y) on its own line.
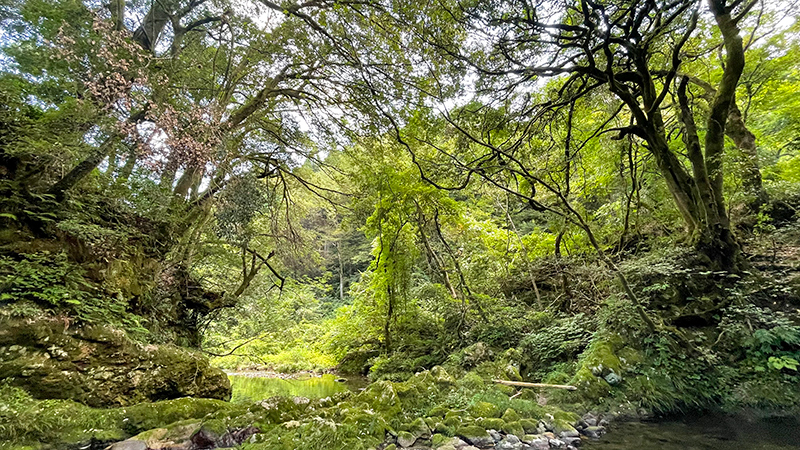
(252,387)
(707,432)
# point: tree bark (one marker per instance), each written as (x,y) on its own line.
(83,168)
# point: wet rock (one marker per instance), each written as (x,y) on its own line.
(541,443)
(507,445)
(573,433)
(572,441)
(130,444)
(594,432)
(557,443)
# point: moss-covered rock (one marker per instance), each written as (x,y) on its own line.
(484,409)
(514,428)
(589,386)
(491,423)
(405,439)
(510,415)
(100,366)
(475,435)
(530,426)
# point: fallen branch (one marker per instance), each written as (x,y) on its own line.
(536,385)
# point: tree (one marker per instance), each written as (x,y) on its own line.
(633,51)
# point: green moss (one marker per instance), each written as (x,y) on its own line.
(484,409)
(491,423)
(564,421)
(147,416)
(437,440)
(438,411)
(589,386)
(443,429)
(390,447)
(510,415)
(405,439)
(441,377)
(470,432)
(514,428)
(600,357)
(529,426)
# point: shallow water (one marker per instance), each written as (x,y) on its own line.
(248,389)
(711,432)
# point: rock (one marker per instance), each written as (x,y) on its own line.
(491,423)
(590,420)
(506,444)
(594,432)
(441,376)
(541,443)
(513,439)
(514,428)
(476,436)
(405,439)
(495,435)
(420,429)
(572,441)
(130,444)
(101,367)
(612,378)
(557,443)
(484,409)
(511,416)
(529,426)
(573,433)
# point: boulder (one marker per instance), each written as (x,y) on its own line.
(100,366)
(476,436)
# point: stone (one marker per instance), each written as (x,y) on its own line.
(130,444)
(405,439)
(594,432)
(495,435)
(612,378)
(528,425)
(101,367)
(476,436)
(420,429)
(557,443)
(511,416)
(541,443)
(569,433)
(572,441)
(484,409)
(506,444)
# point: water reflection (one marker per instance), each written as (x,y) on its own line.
(712,432)
(248,389)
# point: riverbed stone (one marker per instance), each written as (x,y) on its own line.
(130,444)
(540,443)
(594,432)
(476,436)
